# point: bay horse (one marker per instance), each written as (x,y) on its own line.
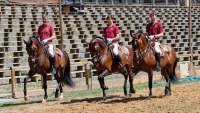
(38,59)
(102,59)
(144,60)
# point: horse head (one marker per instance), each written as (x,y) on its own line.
(139,40)
(97,44)
(32,47)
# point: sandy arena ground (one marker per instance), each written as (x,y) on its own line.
(185,99)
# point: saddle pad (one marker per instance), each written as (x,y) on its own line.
(124,50)
(165,49)
(59,52)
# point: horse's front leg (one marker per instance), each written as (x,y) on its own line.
(131,90)
(25,88)
(102,83)
(45,87)
(150,77)
(30,74)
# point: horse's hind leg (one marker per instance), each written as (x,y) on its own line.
(59,88)
(57,91)
(166,74)
(61,91)
(125,84)
(45,87)
(150,77)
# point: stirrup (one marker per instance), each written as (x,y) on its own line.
(53,70)
(158,68)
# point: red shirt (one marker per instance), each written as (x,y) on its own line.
(45,31)
(111,31)
(154,28)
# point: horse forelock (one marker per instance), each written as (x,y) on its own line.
(36,42)
(99,40)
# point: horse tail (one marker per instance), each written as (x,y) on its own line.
(67,73)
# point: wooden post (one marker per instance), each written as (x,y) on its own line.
(190,31)
(61,26)
(86,76)
(191,67)
(13,82)
(91,75)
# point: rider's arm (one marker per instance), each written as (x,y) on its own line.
(160,30)
(116,37)
(52,34)
(117,34)
(159,35)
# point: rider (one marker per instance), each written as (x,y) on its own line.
(155,30)
(111,34)
(46,35)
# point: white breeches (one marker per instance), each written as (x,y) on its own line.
(157,47)
(116,47)
(51,50)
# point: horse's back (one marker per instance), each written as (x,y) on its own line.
(126,54)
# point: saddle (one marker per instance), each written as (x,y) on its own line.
(122,51)
(56,51)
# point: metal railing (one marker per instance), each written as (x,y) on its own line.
(134,2)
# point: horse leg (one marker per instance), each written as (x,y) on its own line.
(58,81)
(125,84)
(168,84)
(57,91)
(25,88)
(30,74)
(131,90)
(45,87)
(61,91)
(150,77)
(102,83)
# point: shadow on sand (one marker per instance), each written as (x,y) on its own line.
(111,99)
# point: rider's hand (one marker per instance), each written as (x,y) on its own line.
(45,40)
(109,42)
(151,37)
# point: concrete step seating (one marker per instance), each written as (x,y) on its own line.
(18,22)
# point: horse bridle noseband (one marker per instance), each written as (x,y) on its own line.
(142,54)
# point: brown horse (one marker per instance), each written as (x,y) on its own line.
(39,63)
(144,60)
(102,59)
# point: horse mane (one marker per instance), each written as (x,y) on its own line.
(98,37)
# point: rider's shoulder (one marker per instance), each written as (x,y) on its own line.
(159,22)
(51,25)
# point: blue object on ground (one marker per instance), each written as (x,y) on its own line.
(192,78)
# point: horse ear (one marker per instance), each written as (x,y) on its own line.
(25,42)
(132,34)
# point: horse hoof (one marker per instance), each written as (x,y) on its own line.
(104,98)
(168,94)
(129,95)
(44,100)
(26,98)
(61,96)
(132,91)
(149,97)
(56,95)
(106,88)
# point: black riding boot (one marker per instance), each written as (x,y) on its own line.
(157,55)
(117,60)
(52,62)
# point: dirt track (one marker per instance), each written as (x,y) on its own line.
(185,99)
